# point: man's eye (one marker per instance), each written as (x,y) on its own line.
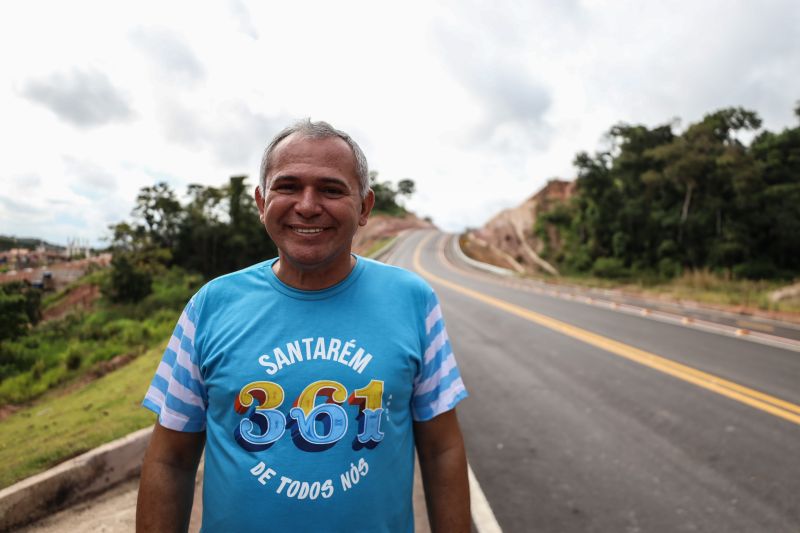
(284,187)
(334,191)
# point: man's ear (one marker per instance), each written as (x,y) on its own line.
(366,208)
(260,203)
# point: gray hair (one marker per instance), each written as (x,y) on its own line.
(316,130)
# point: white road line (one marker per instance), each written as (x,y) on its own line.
(482,515)
(717,328)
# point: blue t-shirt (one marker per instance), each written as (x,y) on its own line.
(307,397)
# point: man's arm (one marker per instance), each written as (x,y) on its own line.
(443,462)
(166,488)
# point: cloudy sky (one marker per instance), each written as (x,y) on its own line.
(480,103)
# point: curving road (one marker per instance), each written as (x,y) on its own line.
(583,418)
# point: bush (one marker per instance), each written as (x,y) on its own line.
(74,358)
(57,350)
(38,369)
(669,268)
(609,267)
(758,269)
(580,260)
(13,318)
(129,282)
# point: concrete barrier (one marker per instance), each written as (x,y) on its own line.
(73,481)
(486,267)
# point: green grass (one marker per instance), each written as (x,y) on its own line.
(708,287)
(701,286)
(63,424)
(59,351)
(378,245)
(51,370)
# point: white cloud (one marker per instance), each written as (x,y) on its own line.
(82,98)
(172,58)
(480,104)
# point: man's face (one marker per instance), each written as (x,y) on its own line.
(312,206)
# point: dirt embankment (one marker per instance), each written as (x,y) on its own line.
(508,240)
(81,297)
(382,226)
(62,273)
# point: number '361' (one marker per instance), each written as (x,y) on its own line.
(318,425)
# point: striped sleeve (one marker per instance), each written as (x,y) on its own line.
(438,386)
(177,393)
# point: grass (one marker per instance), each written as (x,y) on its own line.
(705,286)
(50,373)
(66,423)
(59,351)
(701,286)
(378,245)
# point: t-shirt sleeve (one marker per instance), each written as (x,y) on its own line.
(438,386)
(177,393)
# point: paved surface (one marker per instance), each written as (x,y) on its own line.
(564,435)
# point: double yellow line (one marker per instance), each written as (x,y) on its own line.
(753,398)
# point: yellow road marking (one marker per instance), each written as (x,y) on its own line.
(753,398)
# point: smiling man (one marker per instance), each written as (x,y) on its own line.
(309,378)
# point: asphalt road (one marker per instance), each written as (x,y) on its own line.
(587,419)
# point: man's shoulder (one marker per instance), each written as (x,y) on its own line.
(393,276)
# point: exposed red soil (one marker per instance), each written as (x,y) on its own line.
(81,297)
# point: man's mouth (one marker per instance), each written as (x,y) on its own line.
(307,231)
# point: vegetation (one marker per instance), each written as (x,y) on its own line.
(8,243)
(387,195)
(64,424)
(215,232)
(659,203)
(20,307)
(60,350)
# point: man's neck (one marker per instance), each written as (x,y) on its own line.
(315,279)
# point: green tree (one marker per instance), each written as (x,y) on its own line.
(129,281)
(406,187)
(161,213)
(657,201)
(386,194)
(14,319)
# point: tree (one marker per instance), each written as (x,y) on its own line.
(129,281)
(406,187)
(659,201)
(386,194)
(161,213)
(14,319)
(20,307)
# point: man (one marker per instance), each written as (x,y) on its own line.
(310,377)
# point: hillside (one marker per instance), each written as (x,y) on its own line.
(508,239)
(382,227)
(8,242)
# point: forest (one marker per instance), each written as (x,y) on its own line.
(722,195)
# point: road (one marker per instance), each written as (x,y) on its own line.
(583,418)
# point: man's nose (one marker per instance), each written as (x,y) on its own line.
(308,205)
